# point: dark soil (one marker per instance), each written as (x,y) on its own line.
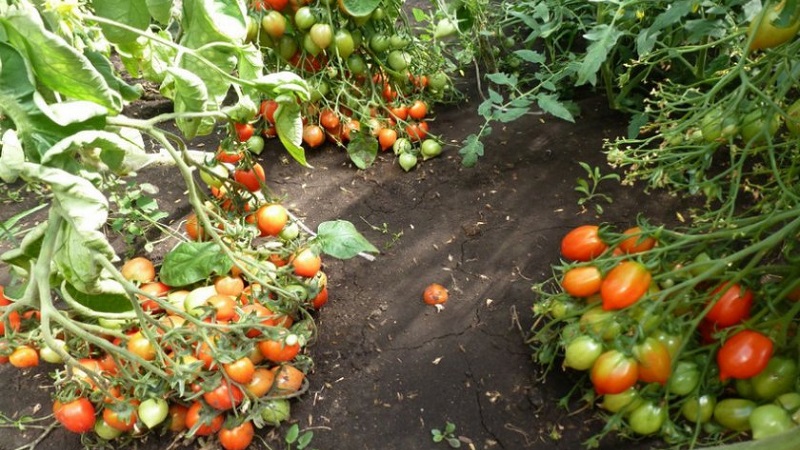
(388,367)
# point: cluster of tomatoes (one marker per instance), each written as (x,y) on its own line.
(219,358)
(368,75)
(672,348)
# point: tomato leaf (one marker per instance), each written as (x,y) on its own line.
(359,8)
(289,126)
(340,239)
(552,105)
(190,262)
(12,157)
(56,64)
(363,150)
(132,13)
(603,38)
(112,148)
(159,10)
(103,302)
(277,83)
(190,95)
(471,151)
(207,21)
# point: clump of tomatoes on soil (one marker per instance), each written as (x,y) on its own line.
(215,344)
(670,339)
(373,82)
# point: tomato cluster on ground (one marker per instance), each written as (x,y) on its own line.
(368,73)
(671,342)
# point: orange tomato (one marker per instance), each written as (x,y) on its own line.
(435,294)
(139,269)
(306,263)
(271,219)
(386,138)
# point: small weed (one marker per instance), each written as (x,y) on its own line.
(447,435)
(590,191)
(294,436)
(136,213)
(384,229)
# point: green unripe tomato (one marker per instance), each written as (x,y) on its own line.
(379,43)
(304,18)
(401,145)
(322,35)
(582,352)
(345,45)
(793,119)
(684,379)
(699,409)
(626,401)
(430,148)
(398,60)
(647,419)
(769,420)
(733,413)
(758,124)
(153,411)
(407,161)
(275,411)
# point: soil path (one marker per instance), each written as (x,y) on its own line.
(388,367)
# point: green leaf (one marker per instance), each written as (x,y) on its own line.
(530,56)
(106,69)
(551,105)
(56,64)
(133,13)
(289,126)
(603,38)
(189,95)
(191,262)
(160,10)
(69,112)
(362,150)
(276,83)
(503,79)
(103,302)
(359,8)
(292,433)
(207,21)
(472,150)
(75,257)
(507,114)
(12,157)
(304,440)
(637,122)
(340,239)
(16,80)
(95,147)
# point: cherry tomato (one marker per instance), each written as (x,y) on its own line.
(280,350)
(418,110)
(417,131)
(769,420)
(153,411)
(24,357)
(304,18)
(655,364)
(306,263)
(123,419)
(274,24)
(140,345)
(345,45)
(251,178)
(224,397)
(744,355)
(268,108)
(320,299)
(613,372)
(582,243)
(243,131)
(313,135)
(322,35)
(329,119)
(288,379)
(582,281)
(435,294)
(177,417)
(139,269)
(733,413)
(766,33)
(582,352)
(626,401)
(238,437)
(684,378)
(777,378)
(276,411)
(637,242)
(386,138)
(601,323)
(624,285)
(731,305)
(206,421)
(271,219)
(648,418)
(261,383)
(241,371)
(699,409)
(77,416)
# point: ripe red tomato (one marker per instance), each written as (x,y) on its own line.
(613,372)
(177,417)
(417,131)
(238,437)
(583,243)
(230,157)
(732,305)
(435,294)
(306,263)
(14,319)
(279,350)
(157,289)
(624,285)
(418,110)
(268,108)
(655,364)
(637,242)
(241,371)
(744,355)
(250,178)
(244,131)
(582,281)
(207,422)
(122,421)
(224,397)
(313,135)
(77,416)
(321,298)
